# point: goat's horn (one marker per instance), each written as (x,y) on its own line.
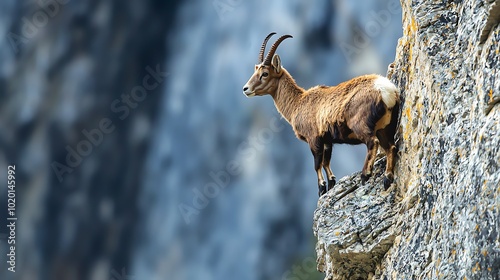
(263,47)
(274,47)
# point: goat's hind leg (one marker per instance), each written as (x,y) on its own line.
(327,155)
(317,149)
(389,168)
(372,147)
(387,143)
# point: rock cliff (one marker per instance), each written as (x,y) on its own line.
(441,218)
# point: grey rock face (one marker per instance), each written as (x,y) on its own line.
(445,218)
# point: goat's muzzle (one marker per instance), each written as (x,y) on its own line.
(248,92)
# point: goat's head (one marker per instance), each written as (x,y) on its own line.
(267,73)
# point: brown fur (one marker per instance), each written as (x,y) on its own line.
(316,111)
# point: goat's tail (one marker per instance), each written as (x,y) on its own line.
(384,112)
(388,91)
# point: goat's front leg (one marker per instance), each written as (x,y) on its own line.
(317,149)
(372,146)
(327,155)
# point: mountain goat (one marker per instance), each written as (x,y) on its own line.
(361,110)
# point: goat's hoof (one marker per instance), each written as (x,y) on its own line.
(388,179)
(331,183)
(322,189)
(364,178)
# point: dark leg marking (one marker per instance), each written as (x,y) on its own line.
(317,149)
(327,155)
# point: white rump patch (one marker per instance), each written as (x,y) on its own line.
(387,89)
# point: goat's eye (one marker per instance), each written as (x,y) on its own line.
(265,74)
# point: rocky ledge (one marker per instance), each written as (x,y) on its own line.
(355,226)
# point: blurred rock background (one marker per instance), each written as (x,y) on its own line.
(137,155)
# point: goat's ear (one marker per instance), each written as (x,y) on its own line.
(276,63)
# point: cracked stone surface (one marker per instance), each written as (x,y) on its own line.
(354,225)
